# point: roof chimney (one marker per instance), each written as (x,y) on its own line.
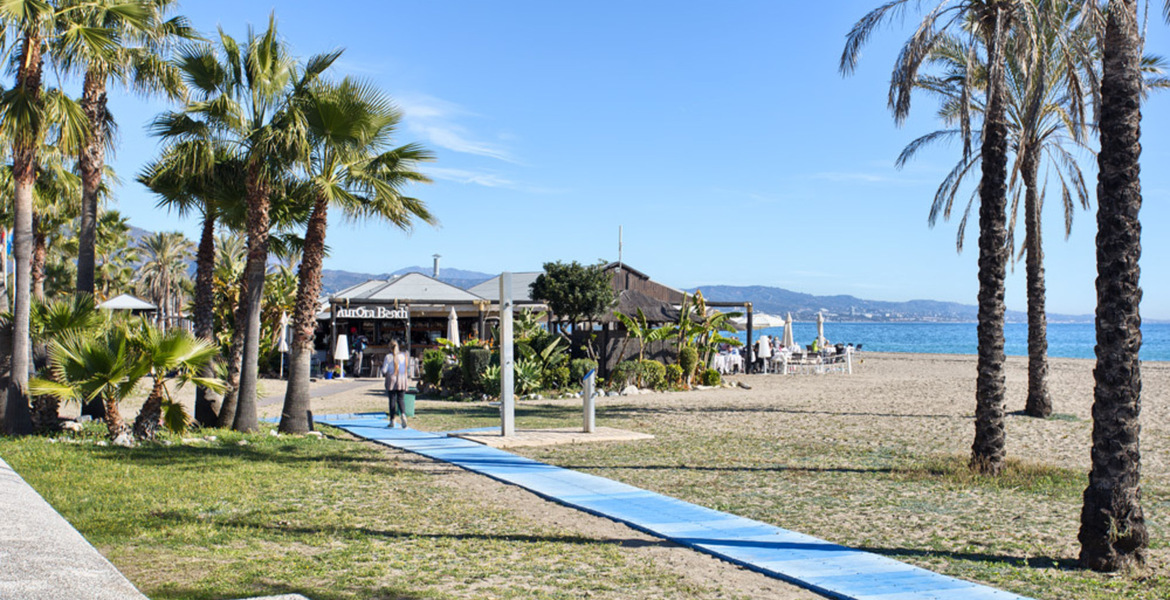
(435,274)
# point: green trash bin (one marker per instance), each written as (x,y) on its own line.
(408,404)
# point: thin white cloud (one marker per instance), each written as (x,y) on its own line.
(483,178)
(357,68)
(436,120)
(865,178)
(467,176)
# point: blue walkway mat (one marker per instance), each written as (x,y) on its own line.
(823,567)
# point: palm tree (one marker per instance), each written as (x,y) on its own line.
(104,368)
(54,320)
(1048,81)
(174,355)
(163,269)
(990,21)
(1113,532)
(352,165)
(56,202)
(115,255)
(199,175)
(244,93)
(25,118)
(139,34)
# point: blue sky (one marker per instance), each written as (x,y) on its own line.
(720,136)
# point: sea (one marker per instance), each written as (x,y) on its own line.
(1066,340)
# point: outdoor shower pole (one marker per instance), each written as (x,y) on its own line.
(507,400)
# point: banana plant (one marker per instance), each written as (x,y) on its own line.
(638,327)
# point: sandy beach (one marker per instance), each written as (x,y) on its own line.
(925,401)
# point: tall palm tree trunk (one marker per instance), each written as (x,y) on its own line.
(203,315)
(250,301)
(231,394)
(987,452)
(40,256)
(1113,532)
(91,162)
(1039,402)
(17,419)
(294,417)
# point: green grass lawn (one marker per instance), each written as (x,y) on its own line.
(331,519)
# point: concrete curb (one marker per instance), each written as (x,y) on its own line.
(42,557)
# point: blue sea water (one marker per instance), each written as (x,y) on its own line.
(1067,340)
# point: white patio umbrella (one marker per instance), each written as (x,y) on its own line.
(759,321)
(453,327)
(789,339)
(283,346)
(341,352)
(821,330)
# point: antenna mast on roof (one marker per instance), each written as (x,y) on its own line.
(619,248)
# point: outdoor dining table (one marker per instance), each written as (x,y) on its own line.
(727,363)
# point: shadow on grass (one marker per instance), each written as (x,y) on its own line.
(625,411)
(1030,562)
(202,456)
(327,591)
(729,469)
(635,410)
(183,518)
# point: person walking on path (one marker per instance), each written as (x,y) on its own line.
(394,369)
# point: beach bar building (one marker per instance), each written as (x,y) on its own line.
(413,309)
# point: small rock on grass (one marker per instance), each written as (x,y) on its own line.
(242,443)
(315,434)
(71,426)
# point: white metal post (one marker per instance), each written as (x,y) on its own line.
(507,366)
(588,384)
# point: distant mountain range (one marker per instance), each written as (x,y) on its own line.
(779,301)
(804,307)
(333,281)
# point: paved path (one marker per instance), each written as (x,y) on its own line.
(823,567)
(338,387)
(42,557)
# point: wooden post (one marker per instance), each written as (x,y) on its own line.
(507,366)
(751,363)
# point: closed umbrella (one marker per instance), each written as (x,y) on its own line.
(821,330)
(283,346)
(789,338)
(453,327)
(341,352)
